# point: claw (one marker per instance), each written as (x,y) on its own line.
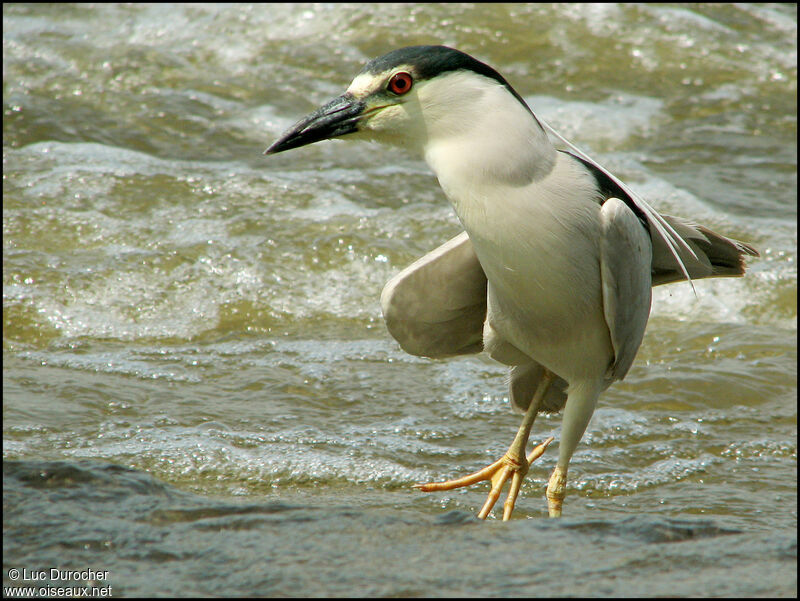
(538,450)
(499,472)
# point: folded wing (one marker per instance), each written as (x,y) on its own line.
(436,306)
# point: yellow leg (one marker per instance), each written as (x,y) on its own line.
(514,464)
(556,491)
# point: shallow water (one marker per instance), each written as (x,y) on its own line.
(199,393)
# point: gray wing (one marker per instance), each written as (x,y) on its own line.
(717,256)
(632,262)
(436,306)
(625,262)
(669,239)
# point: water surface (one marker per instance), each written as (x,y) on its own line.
(199,393)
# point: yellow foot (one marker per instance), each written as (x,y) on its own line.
(556,491)
(501,470)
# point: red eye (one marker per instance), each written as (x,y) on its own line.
(400,83)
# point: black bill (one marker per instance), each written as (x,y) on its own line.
(337,118)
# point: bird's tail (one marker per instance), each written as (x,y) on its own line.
(715,255)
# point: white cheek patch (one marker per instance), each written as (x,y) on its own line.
(363,85)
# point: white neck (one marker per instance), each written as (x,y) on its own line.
(494,141)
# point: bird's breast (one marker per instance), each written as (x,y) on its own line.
(539,247)
(535,240)
(542,255)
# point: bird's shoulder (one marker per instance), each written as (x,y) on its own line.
(607,187)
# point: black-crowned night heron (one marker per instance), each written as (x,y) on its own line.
(553,275)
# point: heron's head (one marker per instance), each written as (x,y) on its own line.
(409,97)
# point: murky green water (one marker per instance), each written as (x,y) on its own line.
(199,394)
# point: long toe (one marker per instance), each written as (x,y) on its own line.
(499,472)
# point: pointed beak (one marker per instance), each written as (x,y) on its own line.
(337,118)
